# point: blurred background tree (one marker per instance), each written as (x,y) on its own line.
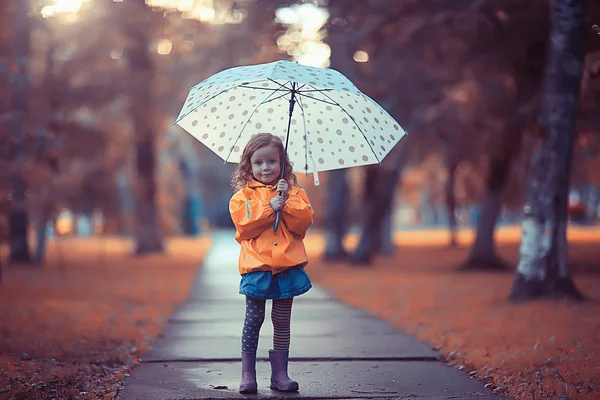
(543,268)
(104,79)
(88,147)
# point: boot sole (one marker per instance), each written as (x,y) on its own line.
(284,390)
(249,390)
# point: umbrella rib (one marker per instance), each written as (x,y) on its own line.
(276,98)
(321,100)
(259,88)
(246,124)
(281,84)
(305,137)
(355,124)
(316,90)
(206,101)
(300,104)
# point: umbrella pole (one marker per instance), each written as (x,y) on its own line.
(287,139)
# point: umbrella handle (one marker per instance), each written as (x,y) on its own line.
(277,218)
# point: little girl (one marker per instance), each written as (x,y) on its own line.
(271,262)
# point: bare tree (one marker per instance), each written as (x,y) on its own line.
(483,254)
(141,66)
(542,269)
(378,196)
(451,162)
(340,38)
(346,31)
(19,93)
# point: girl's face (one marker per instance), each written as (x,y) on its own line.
(266,165)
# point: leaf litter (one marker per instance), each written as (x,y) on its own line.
(76,327)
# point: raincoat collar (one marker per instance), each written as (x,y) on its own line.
(257,184)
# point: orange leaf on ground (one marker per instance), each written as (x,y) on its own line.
(76,327)
(539,350)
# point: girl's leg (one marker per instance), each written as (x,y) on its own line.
(281,316)
(255,315)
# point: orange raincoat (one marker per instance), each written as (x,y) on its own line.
(262,248)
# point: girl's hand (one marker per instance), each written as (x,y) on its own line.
(277,203)
(282,186)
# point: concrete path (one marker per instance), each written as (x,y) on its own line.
(337,352)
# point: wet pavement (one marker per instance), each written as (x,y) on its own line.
(337,352)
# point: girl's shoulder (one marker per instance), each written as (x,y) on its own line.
(248,190)
(295,189)
(298,190)
(243,192)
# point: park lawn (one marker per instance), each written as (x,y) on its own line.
(539,350)
(77,326)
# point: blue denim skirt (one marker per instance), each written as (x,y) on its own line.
(284,285)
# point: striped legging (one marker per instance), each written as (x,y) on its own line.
(281,315)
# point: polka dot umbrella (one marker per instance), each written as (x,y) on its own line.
(325,122)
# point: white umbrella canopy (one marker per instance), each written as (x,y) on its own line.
(332,124)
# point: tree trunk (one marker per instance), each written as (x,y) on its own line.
(590,200)
(18,225)
(542,269)
(40,237)
(340,39)
(192,202)
(336,215)
(126,203)
(147,229)
(452,164)
(5,59)
(186,216)
(372,218)
(380,187)
(388,245)
(20,85)
(527,74)
(483,255)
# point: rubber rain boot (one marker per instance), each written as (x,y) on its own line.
(248,382)
(279,372)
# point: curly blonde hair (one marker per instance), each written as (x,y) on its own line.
(243,173)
